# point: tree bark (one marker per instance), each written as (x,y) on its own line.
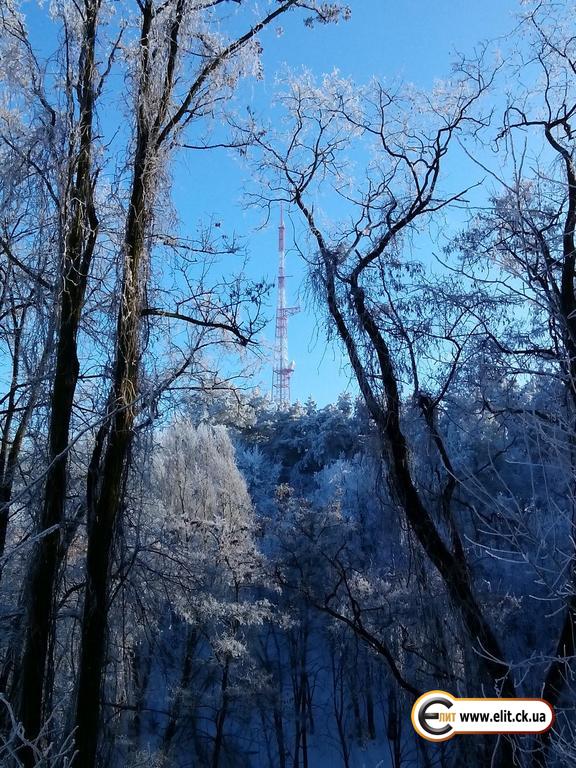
(105,508)
(40,582)
(386,415)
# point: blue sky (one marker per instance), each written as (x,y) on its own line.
(412,40)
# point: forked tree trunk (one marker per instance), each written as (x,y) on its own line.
(386,415)
(104,510)
(154,129)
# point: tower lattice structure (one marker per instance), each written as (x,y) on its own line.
(282,368)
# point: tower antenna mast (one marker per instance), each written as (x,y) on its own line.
(282,368)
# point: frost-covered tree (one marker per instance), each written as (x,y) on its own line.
(103,209)
(199,534)
(412,340)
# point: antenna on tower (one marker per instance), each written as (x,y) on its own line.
(282,368)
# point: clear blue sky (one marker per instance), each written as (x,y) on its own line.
(414,40)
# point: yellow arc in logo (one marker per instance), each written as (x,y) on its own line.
(438,716)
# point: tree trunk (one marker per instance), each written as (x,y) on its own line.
(386,414)
(40,582)
(221,717)
(185,682)
(104,511)
(279,731)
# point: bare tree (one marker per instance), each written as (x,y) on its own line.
(78,228)
(356,269)
(174,85)
(162,110)
(521,253)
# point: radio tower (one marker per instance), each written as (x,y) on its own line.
(282,369)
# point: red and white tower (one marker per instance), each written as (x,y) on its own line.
(282,368)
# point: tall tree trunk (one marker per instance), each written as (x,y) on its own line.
(183,687)
(221,716)
(386,416)
(385,409)
(279,731)
(40,582)
(104,509)
(557,674)
(155,125)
